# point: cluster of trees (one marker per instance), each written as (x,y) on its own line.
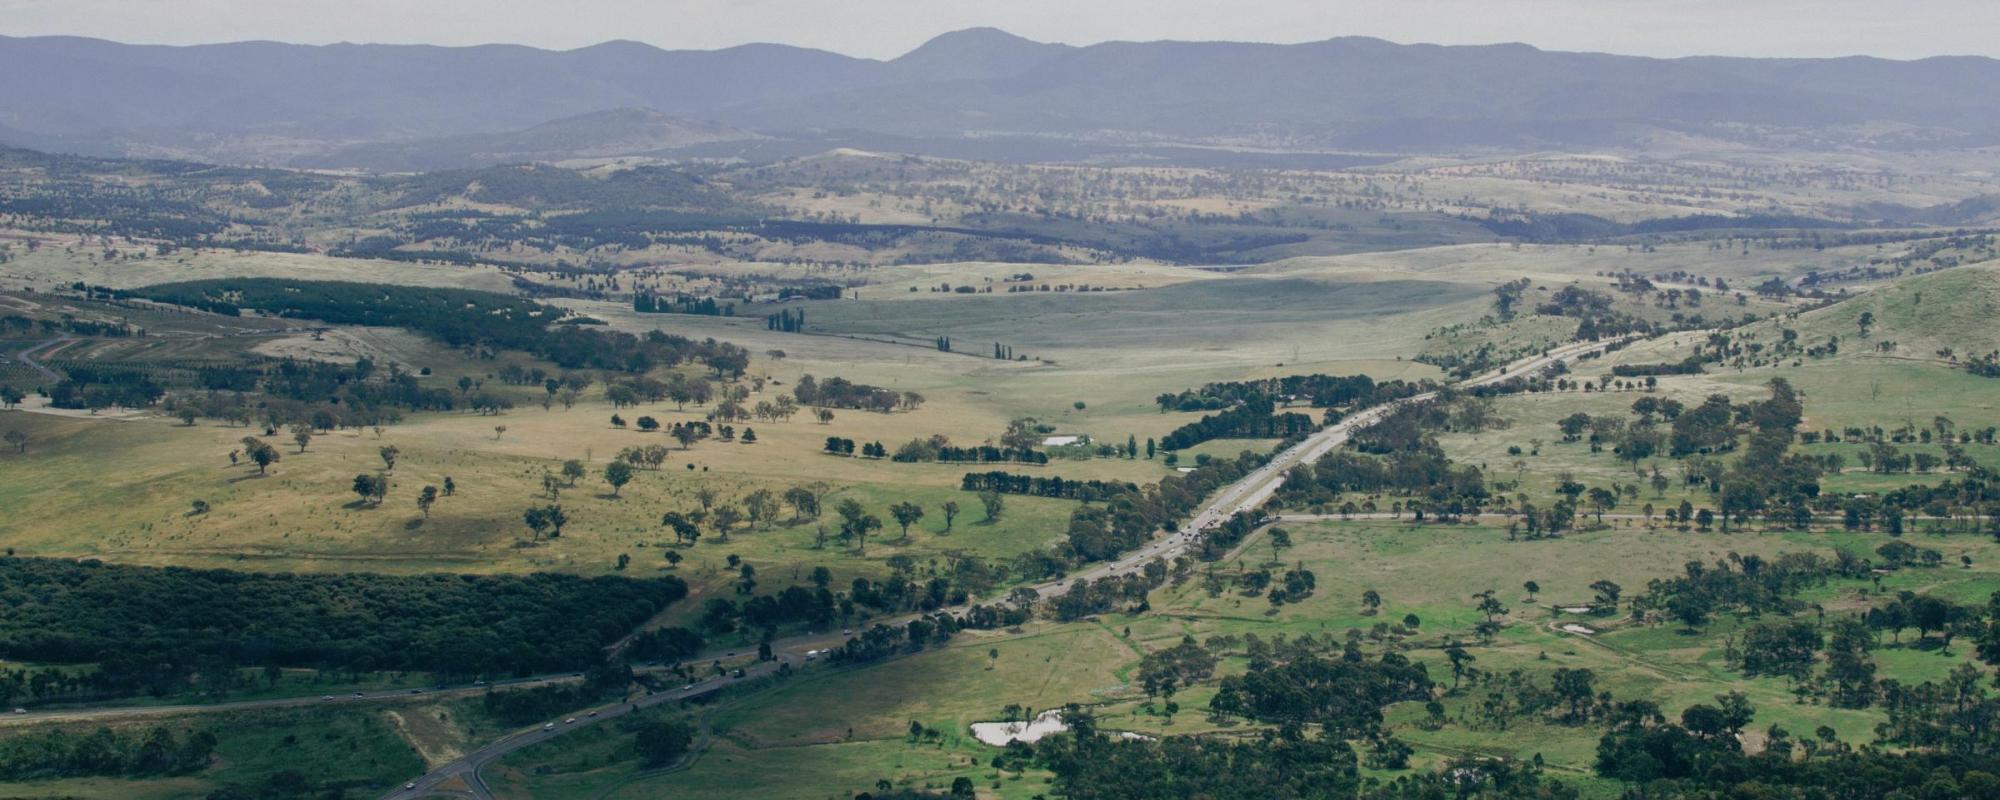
(1688,366)
(882,641)
(918,450)
(1701,755)
(791,320)
(839,392)
(1283,762)
(1739,584)
(1342,694)
(1319,391)
(646,303)
(99,387)
(1089,491)
(70,612)
(1595,315)
(1088,598)
(1252,420)
(21,326)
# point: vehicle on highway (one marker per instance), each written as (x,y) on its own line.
(548,726)
(570,721)
(20,711)
(410,785)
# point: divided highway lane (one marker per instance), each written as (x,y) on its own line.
(1248,493)
(123,712)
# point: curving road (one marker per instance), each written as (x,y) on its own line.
(1246,494)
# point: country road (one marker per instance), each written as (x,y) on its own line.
(26,356)
(1248,493)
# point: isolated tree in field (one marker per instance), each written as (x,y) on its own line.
(749,436)
(1150,449)
(263,455)
(686,435)
(537,520)
(617,421)
(761,506)
(1461,663)
(1602,500)
(303,435)
(684,529)
(803,502)
(994,505)
(617,473)
(1606,594)
(1489,605)
(1532,588)
(950,513)
(706,497)
(499,431)
(661,741)
(725,518)
(464,384)
(856,523)
(1280,539)
(19,440)
(450,487)
(1371,602)
(427,497)
(572,470)
(556,518)
(648,424)
(389,454)
(551,485)
(364,485)
(673,558)
(906,514)
(825,415)
(187,415)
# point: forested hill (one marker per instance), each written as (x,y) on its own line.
(92,95)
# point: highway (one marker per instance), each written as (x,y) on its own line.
(1246,494)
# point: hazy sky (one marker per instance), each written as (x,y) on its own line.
(885,28)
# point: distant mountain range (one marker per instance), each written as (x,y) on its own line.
(417,107)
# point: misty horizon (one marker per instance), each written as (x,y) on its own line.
(886,29)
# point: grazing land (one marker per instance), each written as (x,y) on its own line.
(1635,474)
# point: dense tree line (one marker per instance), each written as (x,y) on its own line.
(458,317)
(1252,420)
(645,303)
(75,612)
(1055,486)
(1319,391)
(1689,366)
